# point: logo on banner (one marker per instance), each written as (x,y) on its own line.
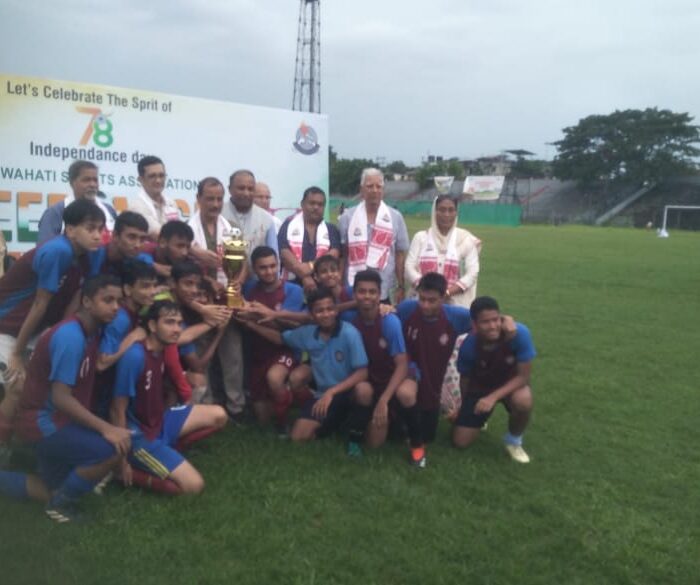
(306,140)
(99,127)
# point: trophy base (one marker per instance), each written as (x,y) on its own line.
(234,301)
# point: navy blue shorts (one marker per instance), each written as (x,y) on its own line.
(467,417)
(338,412)
(70,447)
(159,456)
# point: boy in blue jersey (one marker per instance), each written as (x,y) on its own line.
(494,368)
(38,292)
(270,364)
(130,234)
(75,447)
(139,403)
(390,384)
(339,365)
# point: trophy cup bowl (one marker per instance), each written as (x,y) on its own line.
(233,261)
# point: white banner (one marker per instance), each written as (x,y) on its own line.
(443,184)
(484,188)
(46,124)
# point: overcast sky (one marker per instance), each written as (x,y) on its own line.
(400,78)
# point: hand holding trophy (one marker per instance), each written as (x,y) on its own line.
(234,260)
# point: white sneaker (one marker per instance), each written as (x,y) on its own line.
(517,453)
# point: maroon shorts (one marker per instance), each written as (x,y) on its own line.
(259,389)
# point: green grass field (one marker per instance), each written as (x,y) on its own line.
(611,496)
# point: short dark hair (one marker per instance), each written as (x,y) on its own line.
(368,275)
(130,219)
(159,308)
(77,167)
(440,198)
(95,284)
(176,228)
(240,172)
(261,252)
(208,182)
(134,270)
(319,294)
(326,259)
(313,191)
(82,210)
(433,281)
(147,161)
(481,304)
(184,269)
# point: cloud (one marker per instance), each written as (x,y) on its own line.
(399,77)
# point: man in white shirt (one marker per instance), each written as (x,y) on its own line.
(150,201)
(255,223)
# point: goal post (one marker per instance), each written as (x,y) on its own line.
(663,232)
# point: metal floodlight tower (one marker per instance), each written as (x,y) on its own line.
(307,72)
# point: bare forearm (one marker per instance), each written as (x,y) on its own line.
(31,324)
(400,265)
(290,262)
(349,383)
(65,402)
(205,358)
(271,335)
(193,332)
(117,412)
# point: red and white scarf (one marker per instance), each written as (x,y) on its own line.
(223,231)
(295,236)
(374,253)
(428,261)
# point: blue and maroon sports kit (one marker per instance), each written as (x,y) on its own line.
(383,341)
(489,367)
(63,354)
(156,427)
(101,264)
(53,267)
(263,353)
(430,343)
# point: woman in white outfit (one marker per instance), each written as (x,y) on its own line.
(454,253)
(447,249)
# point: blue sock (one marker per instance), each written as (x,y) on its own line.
(513,439)
(75,486)
(14,484)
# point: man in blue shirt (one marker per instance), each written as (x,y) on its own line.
(494,368)
(339,365)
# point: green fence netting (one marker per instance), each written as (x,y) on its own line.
(469,213)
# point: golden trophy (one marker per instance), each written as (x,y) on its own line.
(233,263)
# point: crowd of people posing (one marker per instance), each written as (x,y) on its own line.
(118,352)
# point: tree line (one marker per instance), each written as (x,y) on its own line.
(630,146)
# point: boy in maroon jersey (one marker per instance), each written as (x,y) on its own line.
(37,292)
(75,447)
(139,403)
(271,364)
(388,380)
